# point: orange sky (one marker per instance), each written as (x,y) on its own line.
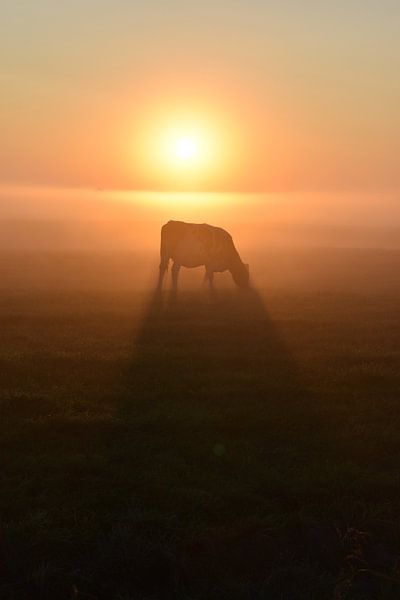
(293,97)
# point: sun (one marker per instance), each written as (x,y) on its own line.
(182,149)
(185,149)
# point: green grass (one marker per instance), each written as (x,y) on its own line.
(235,445)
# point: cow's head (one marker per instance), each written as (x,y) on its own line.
(241,274)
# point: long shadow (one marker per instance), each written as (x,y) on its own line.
(217,360)
(217,441)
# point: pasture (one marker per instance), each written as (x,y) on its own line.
(227,445)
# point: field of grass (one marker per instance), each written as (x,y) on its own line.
(227,445)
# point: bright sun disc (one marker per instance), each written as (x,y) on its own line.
(185,148)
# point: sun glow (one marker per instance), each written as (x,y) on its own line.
(178,149)
(182,152)
(186,149)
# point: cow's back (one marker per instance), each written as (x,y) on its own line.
(192,244)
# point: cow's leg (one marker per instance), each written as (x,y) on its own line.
(175,272)
(163,269)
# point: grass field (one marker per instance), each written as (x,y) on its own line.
(227,445)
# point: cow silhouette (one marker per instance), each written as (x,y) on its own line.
(193,245)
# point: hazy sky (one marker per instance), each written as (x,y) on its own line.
(304,94)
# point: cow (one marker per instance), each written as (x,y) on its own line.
(193,245)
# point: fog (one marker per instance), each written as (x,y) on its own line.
(89,240)
(48,219)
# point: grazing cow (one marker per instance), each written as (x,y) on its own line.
(192,245)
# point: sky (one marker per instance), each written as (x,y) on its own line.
(289,95)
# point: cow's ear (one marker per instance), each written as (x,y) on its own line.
(248,268)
